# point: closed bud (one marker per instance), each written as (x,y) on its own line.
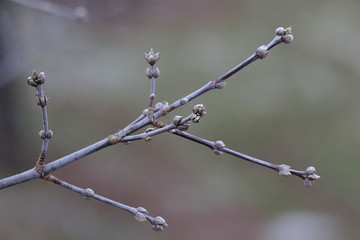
(159,221)
(219,144)
(199,109)
(217,152)
(262,52)
(220,85)
(195,118)
(42,134)
(284,170)
(34,75)
(156,73)
(177,120)
(31,82)
(142,210)
(89,192)
(139,216)
(42,78)
(49,134)
(148,73)
(288,38)
(184,101)
(288,30)
(280,31)
(152,58)
(308,182)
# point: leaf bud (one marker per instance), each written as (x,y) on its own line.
(284,170)
(142,210)
(139,216)
(219,144)
(280,31)
(176,120)
(184,101)
(156,73)
(288,38)
(148,73)
(262,52)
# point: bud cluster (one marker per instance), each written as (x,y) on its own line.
(198,113)
(151,57)
(285,33)
(159,224)
(46,135)
(311,176)
(36,79)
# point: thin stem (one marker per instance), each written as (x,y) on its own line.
(98,197)
(45,123)
(152,88)
(229,151)
(155,132)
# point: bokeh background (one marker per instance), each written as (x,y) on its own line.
(299,106)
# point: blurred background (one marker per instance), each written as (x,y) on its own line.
(299,106)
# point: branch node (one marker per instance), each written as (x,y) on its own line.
(42,100)
(112,139)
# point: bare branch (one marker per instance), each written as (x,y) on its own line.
(140,213)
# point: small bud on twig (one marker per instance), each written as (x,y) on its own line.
(176,120)
(220,85)
(184,101)
(311,176)
(284,170)
(151,58)
(262,52)
(199,109)
(88,193)
(288,38)
(142,210)
(159,224)
(280,31)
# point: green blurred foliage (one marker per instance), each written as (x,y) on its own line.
(299,106)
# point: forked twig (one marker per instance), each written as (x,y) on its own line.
(151,116)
